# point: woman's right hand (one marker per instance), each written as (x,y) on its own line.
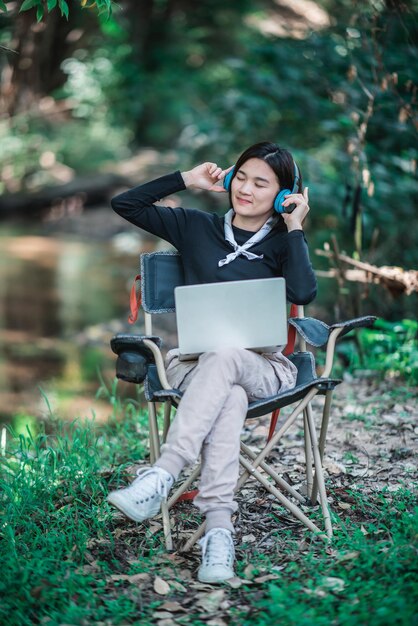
(205,176)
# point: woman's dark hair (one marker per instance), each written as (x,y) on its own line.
(279,159)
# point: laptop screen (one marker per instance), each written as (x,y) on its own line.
(248,314)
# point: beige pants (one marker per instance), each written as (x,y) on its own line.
(210,417)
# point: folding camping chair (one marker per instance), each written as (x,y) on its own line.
(140,361)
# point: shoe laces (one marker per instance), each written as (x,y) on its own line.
(152,482)
(217,547)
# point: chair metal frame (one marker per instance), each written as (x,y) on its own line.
(254,465)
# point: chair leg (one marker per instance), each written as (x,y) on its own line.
(325,422)
(195,537)
(278,495)
(308,454)
(322,436)
(278,435)
(274,475)
(154,439)
(166,526)
(154,454)
(167,419)
(282,499)
(319,473)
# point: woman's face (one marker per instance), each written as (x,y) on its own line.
(253,190)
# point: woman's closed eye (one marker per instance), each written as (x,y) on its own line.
(241,180)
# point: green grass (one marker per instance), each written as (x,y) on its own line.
(61,545)
(53,506)
(369,576)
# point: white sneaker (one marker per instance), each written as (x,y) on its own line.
(218,556)
(142,499)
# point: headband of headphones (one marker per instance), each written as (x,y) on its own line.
(279,199)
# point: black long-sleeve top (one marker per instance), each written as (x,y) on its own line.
(199,237)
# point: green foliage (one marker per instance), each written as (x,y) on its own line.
(102,6)
(84,146)
(390,348)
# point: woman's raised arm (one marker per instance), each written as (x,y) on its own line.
(206,176)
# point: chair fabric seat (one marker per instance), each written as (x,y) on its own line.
(306,379)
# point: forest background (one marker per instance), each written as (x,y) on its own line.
(333,81)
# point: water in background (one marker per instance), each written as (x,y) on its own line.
(62,298)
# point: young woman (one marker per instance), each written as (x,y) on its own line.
(253,240)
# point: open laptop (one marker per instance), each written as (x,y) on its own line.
(248,314)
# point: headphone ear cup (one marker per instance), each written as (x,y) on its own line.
(228,179)
(278,207)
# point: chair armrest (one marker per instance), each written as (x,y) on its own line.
(358,322)
(134,355)
(316,333)
(133,342)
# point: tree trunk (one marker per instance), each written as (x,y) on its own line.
(34,70)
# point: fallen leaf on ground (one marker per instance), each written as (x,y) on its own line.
(316,592)
(250,571)
(172,606)
(161,586)
(185,574)
(344,505)
(236,582)
(204,586)
(225,605)
(131,578)
(348,556)
(155,528)
(210,602)
(334,468)
(178,586)
(332,583)
(263,579)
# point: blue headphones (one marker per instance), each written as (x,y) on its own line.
(278,206)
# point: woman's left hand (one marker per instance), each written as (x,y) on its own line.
(294,220)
